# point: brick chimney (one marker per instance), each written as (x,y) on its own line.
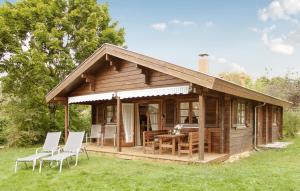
(203,63)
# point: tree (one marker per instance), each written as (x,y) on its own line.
(40,43)
(239,78)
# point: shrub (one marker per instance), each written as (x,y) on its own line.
(291,123)
(3,124)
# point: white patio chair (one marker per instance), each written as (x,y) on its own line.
(95,134)
(49,148)
(72,148)
(110,132)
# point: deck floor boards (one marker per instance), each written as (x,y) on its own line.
(131,153)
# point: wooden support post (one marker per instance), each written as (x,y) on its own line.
(222,134)
(201,122)
(119,121)
(66,121)
(281,122)
(267,124)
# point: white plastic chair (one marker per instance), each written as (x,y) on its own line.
(49,148)
(95,133)
(72,148)
(110,132)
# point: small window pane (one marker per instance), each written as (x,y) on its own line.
(195,113)
(184,105)
(195,105)
(184,113)
(184,119)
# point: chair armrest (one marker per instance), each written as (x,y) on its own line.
(38,150)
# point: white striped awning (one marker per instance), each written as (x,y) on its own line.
(174,90)
(154,92)
(91,97)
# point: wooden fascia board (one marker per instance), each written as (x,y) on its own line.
(233,89)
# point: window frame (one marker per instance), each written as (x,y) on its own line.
(237,123)
(114,112)
(190,111)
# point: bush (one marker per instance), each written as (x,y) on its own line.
(3,124)
(291,123)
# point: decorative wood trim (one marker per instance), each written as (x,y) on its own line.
(89,79)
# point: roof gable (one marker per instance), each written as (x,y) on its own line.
(191,76)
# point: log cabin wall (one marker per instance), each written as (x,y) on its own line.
(260,126)
(265,125)
(128,76)
(241,138)
(227,123)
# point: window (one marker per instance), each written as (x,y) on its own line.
(111,114)
(184,112)
(188,112)
(241,113)
(195,112)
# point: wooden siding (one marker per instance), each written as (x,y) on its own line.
(127,78)
(241,139)
(260,126)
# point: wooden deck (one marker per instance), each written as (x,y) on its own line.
(136,153)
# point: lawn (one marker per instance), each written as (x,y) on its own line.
(267,170)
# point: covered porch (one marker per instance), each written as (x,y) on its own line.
(134,112)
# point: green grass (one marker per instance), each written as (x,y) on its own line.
(267,170)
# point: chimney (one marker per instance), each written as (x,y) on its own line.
(203,63)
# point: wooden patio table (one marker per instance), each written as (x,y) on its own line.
(174,138)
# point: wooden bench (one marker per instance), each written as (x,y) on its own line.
(149,140)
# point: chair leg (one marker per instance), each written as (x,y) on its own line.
(26,164)
(87,156)
(60,165)
(33,165)
(16,167)
(41,164)
(76,160)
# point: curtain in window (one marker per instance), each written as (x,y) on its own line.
(128,121)
(153,114)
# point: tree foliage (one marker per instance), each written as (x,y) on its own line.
(40,43)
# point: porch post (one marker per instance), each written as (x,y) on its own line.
(66,121)
(119,121)
(201,122)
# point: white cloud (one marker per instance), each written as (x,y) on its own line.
(236,67)
(159,26)
(279,45)
(225,64)
(209,24)
(179,22)
(280,9)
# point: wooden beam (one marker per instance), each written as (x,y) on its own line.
(201,122)
(60,99)
(89,79)
(113,62)
(119,121)
(222,134)
(66,121)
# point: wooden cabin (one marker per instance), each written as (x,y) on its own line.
(138,93)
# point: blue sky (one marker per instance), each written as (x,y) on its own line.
(249,36)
